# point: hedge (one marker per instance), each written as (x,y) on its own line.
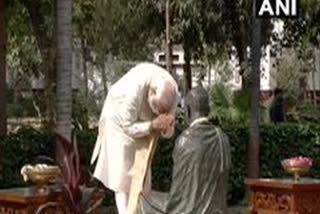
(278,142)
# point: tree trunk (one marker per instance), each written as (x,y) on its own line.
(317,66)
(84,64)
(64,70)
(253,168)
(243,55)
(168,40)
(187,70)
(3,83)
(314,89)
(169,61)
(104,75)
(209,77)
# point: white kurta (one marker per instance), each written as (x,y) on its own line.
(126,116)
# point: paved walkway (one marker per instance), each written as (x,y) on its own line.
(231,210)
(239,209)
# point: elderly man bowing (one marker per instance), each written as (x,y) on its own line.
(142,102)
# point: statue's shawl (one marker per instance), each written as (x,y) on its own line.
(200,173)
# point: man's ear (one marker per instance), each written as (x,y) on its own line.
(152,91)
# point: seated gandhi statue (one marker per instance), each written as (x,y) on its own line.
(201,165)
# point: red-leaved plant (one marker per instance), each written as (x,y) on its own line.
(71,175)
(76,196)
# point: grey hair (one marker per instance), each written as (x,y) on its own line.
(166,92)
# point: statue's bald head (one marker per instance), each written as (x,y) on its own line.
(197,102)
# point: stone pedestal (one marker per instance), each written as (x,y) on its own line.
(284,196)
(27,200)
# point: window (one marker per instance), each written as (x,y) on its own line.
(162,58)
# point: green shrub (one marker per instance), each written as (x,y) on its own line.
(278,142)
(86,141)
(19,149)
(304,112)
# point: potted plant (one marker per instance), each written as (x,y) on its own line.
(77,197)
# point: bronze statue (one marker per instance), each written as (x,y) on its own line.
(201,165)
